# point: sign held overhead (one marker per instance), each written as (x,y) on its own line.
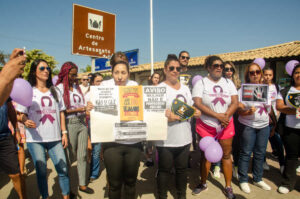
(93,32)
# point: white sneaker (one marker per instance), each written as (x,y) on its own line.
(245,187)
(298,169)
(235,172)
(262,185)
(281,169)
(266,166)
(283,190)
(217,172)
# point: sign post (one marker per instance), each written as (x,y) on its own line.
(93,32)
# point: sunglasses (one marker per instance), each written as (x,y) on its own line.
(85,79)
(229,69)
(257,72)
(184,57)
(218,66)
(171,68)
(42,68)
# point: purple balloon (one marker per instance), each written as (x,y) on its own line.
(196,79)
(54,79)
(206,142)
(289,67)
(260,61)
(21,92)
(214,152)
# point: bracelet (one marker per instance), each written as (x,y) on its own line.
(64,132)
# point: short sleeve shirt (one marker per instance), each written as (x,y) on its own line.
(216,96)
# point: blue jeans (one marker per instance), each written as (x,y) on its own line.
(57,155)
(276,144)
(252,140)
(95,163)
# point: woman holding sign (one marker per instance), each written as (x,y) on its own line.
(216,97)
(291,135)
(121,158)
(174,150)
(255,131)
(45,127)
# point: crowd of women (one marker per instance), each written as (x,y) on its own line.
(57,123)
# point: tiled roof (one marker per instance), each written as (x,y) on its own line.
(277,51)
(281,50)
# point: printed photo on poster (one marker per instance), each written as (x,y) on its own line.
(131,103)
(106,101)
(255,93)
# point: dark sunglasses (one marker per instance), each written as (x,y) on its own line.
(257,72)
(228,69)
(42,68)
(184,57)
(85,79)
(218,66)
(171,68)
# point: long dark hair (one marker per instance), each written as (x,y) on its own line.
(32,77)
(292,79)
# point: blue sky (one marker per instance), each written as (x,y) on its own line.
(201,27)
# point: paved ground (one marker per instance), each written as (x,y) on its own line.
(146,184)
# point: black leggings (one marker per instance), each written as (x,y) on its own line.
(122,162)
(291,141)
(167,157)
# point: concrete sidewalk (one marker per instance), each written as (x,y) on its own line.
(146,184)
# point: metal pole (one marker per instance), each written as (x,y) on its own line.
(93,64)
(151,37)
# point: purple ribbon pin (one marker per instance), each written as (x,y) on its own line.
(46,116)
(261,110)
(218,94)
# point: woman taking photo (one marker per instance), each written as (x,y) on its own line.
(291,135)
(217,99)
(75,122)
(122,158)
(175,150)
(255,133)
(45,127)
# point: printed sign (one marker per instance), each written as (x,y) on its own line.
(131,103)
(93,32)
(181,109)
(255,93)
(128,113)
(294,99)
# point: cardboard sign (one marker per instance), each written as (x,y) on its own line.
(128,113)
(255,93)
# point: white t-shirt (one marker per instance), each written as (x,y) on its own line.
(76,100)
(273,96)
(45,112)
(216,96)
(179,133)
(290,120)
(111,82)
(84,89)
(260,118)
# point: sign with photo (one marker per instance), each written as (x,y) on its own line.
(183,110)
(128,113)
(294,99)
(255,93)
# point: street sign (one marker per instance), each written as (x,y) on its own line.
(102,64)
(93,32)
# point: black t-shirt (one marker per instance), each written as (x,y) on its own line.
(186,78)
(4,130)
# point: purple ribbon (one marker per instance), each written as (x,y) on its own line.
(76,96)
(46,116)
(261,110)
(218,99)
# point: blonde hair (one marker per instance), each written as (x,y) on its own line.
(235,76)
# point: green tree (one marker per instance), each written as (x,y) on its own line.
(38,54)
(88,68)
